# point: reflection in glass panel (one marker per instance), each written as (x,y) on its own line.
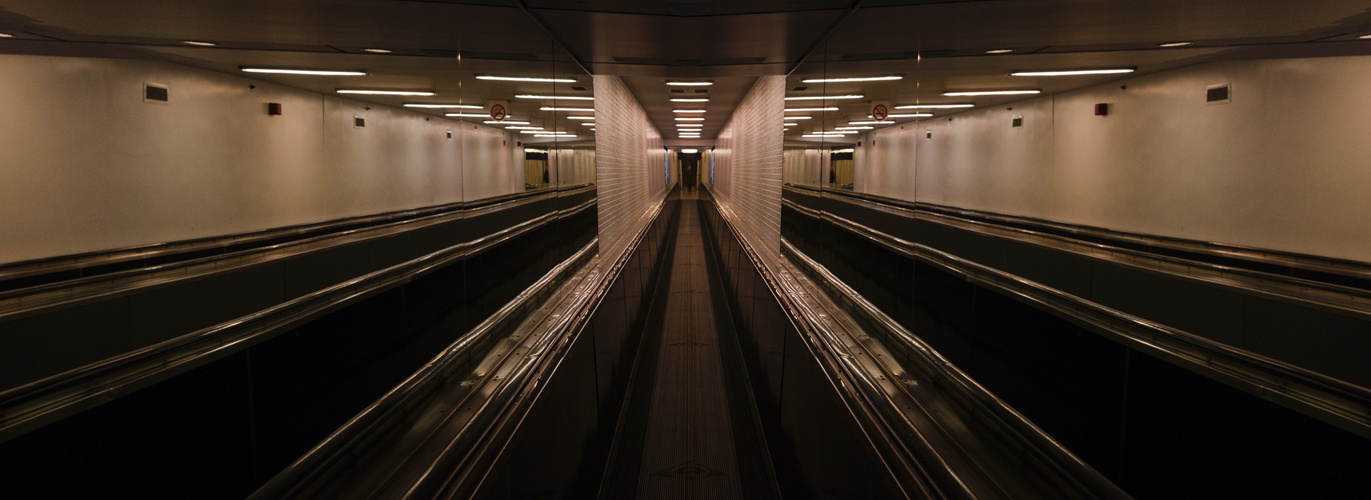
(535,168)
(840,168)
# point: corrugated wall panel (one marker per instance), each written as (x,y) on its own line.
(748,165)
(629,172)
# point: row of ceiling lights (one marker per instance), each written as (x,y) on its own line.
(853,127)
(688,127)
(521,126)
(847,130)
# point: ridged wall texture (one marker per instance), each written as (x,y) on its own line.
(747,177)
(628,161)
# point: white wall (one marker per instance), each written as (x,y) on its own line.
(748,153)
(630,179)
(1285,166)
(574,166)
(804,166)
(885,152)
(87,165)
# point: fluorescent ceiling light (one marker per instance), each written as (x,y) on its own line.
(580,118)
(6,35)
(504,122)
(1074,72)
(999,51)
(520,127)
(573,110)
(692,99)
(524,79)
(854,79)
(690,84)
(565,97)
(819,136)
(802,110)
(904,115)
(824,97)
(853,128)
(791,124)
(312,72)
(689,125)
(469,115)
(687,111)
(848,150)
(1363,37)
(689,119)
(690,151)
(386,92)
(559,136)
(1179,44)
(531,150)
(935,106)
(444,106)
(798,117)
(187,42)
(873,122)
(377,51)
(991,92)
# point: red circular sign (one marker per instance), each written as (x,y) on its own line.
(497,112)
(879,113)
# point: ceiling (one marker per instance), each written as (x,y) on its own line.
(443,45)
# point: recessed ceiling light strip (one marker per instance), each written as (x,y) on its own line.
(935,106)
(386,92)
(524,79)
(853,79)
(823,97)
(302,71)
(971,93)
(443,106)
(1075,72)
(560,97)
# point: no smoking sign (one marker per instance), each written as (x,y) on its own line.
(879,112)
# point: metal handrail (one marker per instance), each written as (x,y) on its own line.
(17,303)
(335,448)
(459,464)
(986,404)
(38,403)
(908,454)
(63,263)
(1344,267)
(1338,402)
(931,468)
